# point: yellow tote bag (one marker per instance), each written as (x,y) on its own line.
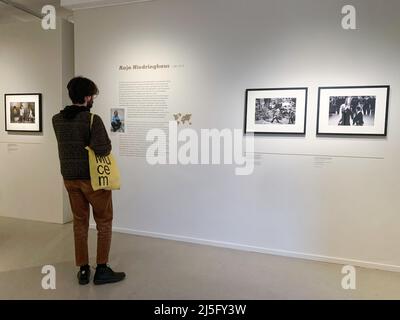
(104,171)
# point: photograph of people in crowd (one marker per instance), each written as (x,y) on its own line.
(22,112)
(275,111)
(352,111)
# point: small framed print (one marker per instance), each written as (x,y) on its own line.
(117,120)
(361,111)
(276,111)
(23,112)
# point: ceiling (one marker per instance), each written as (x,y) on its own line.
(64,8)
(9,14)
(85,4)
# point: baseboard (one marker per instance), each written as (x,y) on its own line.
(276,252)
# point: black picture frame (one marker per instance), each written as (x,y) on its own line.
(302,122)
(383,107)
(23,125)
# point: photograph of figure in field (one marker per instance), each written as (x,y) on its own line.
(275,111)
(352,110)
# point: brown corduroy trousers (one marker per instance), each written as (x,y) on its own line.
(81,194)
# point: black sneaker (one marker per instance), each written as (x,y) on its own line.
(105,275)
(84,275)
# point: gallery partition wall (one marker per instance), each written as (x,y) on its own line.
(35,65)
(316,196)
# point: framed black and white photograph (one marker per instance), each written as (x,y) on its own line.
(276,111)
(353,110)
(23,112)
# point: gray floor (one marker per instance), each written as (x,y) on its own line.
(163,269)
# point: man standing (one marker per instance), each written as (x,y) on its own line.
(276,116)
(359,118)
(21,113)
(345,110)
(73,132)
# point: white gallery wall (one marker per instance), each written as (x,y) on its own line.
(325,198)
(33,60)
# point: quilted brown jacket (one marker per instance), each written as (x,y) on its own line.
(72,129)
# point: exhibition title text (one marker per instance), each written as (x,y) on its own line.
(143,67)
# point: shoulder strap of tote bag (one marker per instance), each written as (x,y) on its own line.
(90,126)
(91,121)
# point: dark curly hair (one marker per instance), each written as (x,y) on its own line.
(80,87)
